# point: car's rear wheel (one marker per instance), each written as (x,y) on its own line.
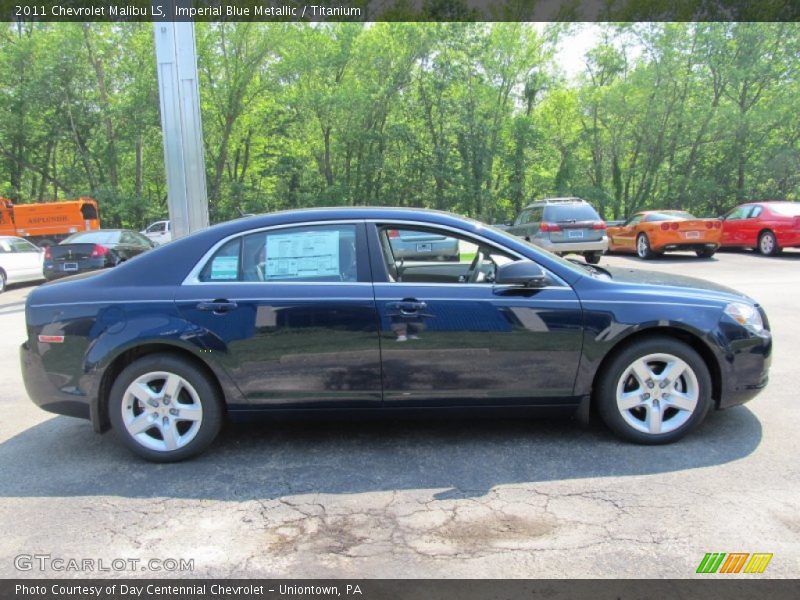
(706,252)
(768,244)
(593,257)
(2,281)
(643,249)
(164,408)
(654,391)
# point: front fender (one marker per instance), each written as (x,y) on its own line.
(609,324)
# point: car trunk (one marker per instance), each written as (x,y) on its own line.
(693,229)
(71,252)
(576,231)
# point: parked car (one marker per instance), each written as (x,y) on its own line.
(159,232)
(423,245)
(768,227)
(20,261)
(563,225)
(650,233)
(310,311)
(93,250)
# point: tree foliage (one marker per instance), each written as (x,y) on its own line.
(471,117)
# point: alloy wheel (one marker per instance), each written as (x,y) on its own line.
(162,411)
(766,244)
(643,246)
(657,393)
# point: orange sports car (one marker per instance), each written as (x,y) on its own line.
(650,233)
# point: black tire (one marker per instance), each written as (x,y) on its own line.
(2,281)
(208,395)
(592,257)
(605,393)
(643,249)
(706,252)
(768,244)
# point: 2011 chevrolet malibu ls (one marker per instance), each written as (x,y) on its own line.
(313,310)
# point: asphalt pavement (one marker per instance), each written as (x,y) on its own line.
(410,498)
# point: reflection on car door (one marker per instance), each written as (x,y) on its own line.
(461,343)
(290,314)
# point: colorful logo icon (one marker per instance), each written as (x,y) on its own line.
(734,562)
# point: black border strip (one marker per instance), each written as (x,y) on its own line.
(734,587)
(400,10)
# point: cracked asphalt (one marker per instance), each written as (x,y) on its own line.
(467,498)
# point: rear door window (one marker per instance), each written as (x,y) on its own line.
(319,253)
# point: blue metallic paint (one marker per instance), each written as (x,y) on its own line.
(339,343)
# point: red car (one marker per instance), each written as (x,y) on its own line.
(767,227)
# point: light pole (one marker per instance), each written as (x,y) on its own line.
(184,160)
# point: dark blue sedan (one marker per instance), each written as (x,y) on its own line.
(313,310)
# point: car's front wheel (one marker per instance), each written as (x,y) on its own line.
(654,391)
(164,408)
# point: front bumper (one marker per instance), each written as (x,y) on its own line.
(744,366)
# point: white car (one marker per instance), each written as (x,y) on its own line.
(159,232)
(19,261)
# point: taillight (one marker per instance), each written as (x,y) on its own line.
(709,225)
(394,233)
(47,254)
(665,227)
(546,227)
(674,226)
(99,251)
(717,224)
(599,225)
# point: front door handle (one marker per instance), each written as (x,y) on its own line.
(217,306)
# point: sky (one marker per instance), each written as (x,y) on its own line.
(572,48)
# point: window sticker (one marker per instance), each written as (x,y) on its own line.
(225,268)
(302,255)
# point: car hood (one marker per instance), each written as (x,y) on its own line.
(692,285)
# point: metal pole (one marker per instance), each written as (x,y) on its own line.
(178,87)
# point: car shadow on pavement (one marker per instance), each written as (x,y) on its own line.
(665,259)
(62,457)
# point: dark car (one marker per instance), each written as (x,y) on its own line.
(769,227)
(309,310)
(562,226)
(93,250)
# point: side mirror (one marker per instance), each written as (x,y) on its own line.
(524,273)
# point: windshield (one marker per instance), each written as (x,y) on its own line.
(789,209)
(93,237)
(576,268)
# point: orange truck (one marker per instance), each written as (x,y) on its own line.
(47,223)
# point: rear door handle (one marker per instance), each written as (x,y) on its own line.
(217,306)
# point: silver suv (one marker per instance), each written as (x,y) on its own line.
(563,225)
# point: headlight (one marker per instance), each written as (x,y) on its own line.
(746,315)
